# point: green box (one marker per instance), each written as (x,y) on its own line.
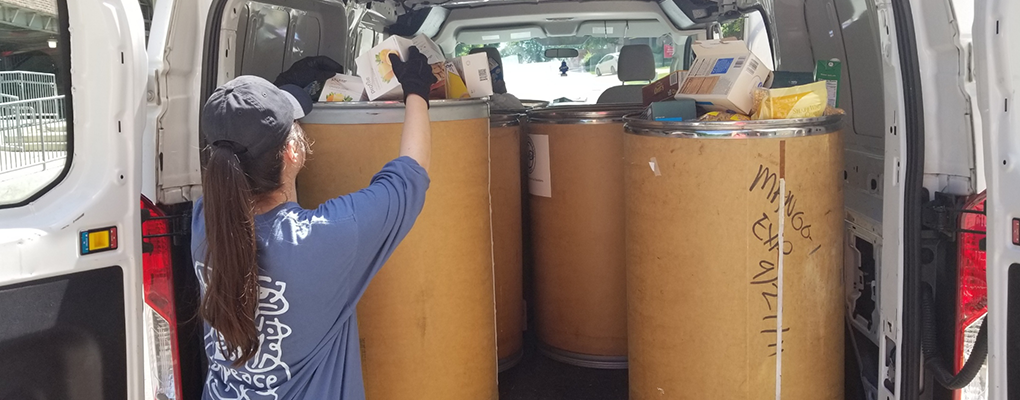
(670,109)
(830,71)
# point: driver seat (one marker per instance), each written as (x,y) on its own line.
(636,63)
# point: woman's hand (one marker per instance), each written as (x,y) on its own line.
(310,74)
(415,74)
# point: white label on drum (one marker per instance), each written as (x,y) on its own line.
(539,183)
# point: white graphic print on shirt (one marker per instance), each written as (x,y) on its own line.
(262,373)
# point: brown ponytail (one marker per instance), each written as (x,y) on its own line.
(232,184)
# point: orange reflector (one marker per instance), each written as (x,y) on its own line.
(98,240)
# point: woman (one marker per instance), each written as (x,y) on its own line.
(281,283)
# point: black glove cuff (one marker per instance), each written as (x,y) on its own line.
(419,88)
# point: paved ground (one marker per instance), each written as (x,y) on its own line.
(540,378)
(17,185)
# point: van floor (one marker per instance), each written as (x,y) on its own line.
(538,377)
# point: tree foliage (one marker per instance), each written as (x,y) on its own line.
(463,49)
(529,51)
(733,29)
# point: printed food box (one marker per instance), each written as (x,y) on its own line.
(468,77)
(724,76)
(376,71)
(343,88)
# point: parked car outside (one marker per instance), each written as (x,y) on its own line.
(607,64)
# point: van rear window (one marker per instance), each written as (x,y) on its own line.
(35,140)
(530,75)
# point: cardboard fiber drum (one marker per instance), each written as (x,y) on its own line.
(577,233)
(714,310)
(426,323)
(507,252)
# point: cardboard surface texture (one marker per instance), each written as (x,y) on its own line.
(723,76)
(577,240)
(663,89)
(702,255)
(426,322)
(343,88)
(507,237)
(375,69)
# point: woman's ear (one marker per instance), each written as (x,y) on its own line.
(293,151)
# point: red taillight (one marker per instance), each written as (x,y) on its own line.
(972,296)
(162,358)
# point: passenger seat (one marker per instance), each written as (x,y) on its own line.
(635,63)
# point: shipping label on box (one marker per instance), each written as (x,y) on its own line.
(539,172)
(468,77)
(724,76)
(663,89)
(343,88)
(376,71)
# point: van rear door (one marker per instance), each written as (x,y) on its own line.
(70,229)
(997,63)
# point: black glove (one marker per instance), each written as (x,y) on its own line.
(415,74)
(310,74)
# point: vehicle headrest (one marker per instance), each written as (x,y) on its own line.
(498,84)
(636,63)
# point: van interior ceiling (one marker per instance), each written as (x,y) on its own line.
(265,37)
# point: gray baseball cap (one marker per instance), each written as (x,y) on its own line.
(251,115)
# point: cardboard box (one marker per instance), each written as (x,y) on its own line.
(724,76)
(439,88)
(343,88)
(830,71)
(662,89)
(468,77)
(377,73)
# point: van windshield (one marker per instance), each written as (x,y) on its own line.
(530,75)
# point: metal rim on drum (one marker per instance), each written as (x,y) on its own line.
(511,361)
(583,360)
(500,119)
(529,104)
(586,114)
(374,112)
(636,125)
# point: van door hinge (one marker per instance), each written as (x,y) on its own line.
(179,228)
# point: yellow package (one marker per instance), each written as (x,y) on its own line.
(716,116)
(830,110)
(456,88)
(804,101)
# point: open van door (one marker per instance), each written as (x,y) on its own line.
(72,85)
(997,62)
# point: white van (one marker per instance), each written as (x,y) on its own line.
(100,161)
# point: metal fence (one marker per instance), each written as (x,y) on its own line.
(32,132)
(25,85)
